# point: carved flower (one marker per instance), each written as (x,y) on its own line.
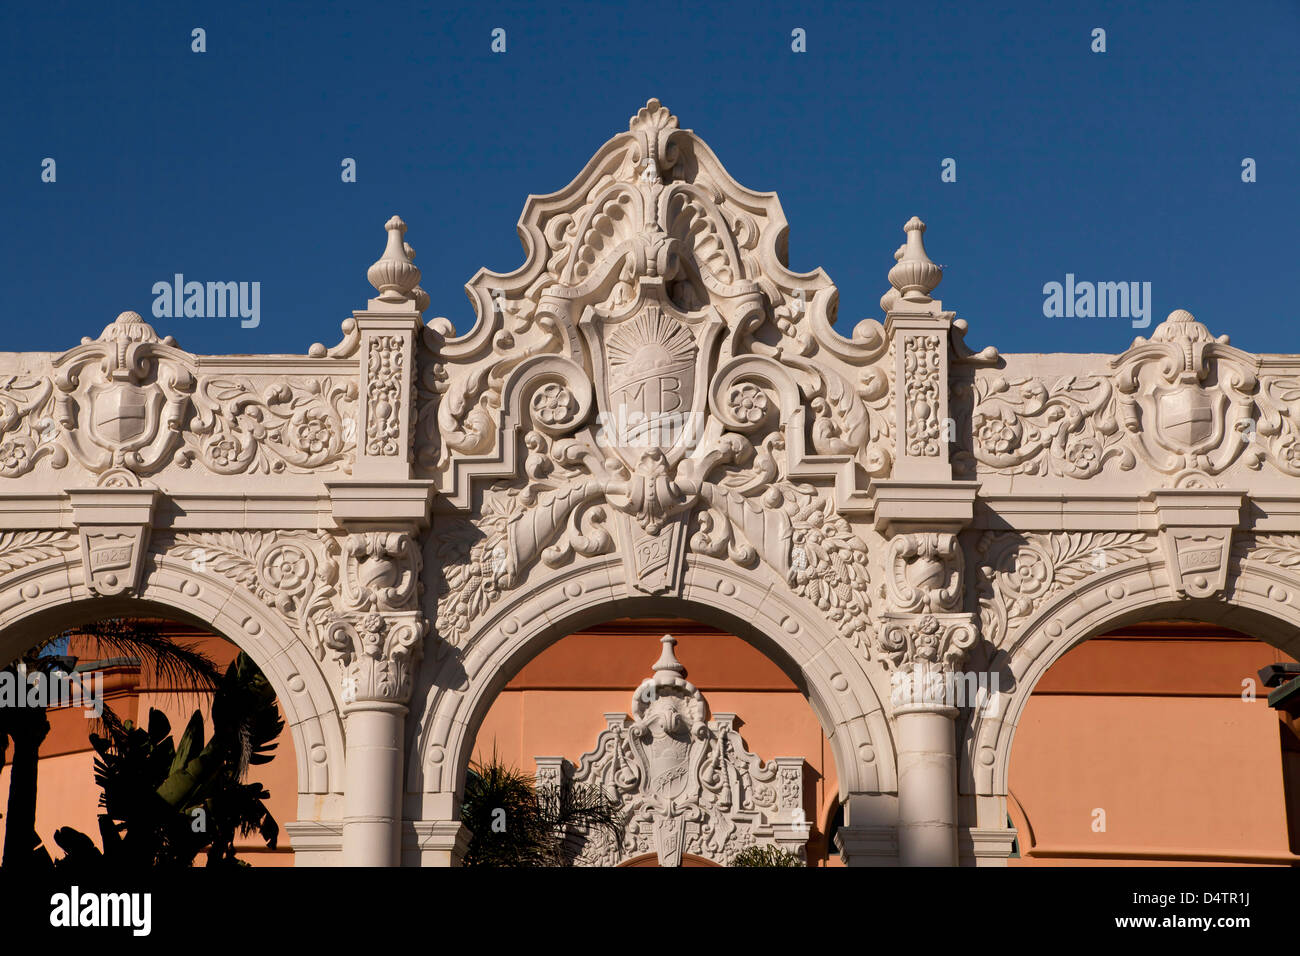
(927,637)
(287,569)
(553,404)
(747,403)
(997,436)
(13,456)
(313,433)
(224,452)
(1291,454)
(1084,455)
(1028,579)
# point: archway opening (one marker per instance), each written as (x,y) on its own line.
(1153,744)
(92,684)
(569,701)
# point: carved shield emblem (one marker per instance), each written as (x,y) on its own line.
(651,383)
(120,414)
(1186,417)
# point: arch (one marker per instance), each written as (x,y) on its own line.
(1262,600)
(459,689)
(48,596)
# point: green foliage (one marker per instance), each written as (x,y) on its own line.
(164,802)
(517,824)
(766,855)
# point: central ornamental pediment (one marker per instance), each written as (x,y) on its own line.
(653,381)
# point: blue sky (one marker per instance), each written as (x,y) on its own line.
(225,166)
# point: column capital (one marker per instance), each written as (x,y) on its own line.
(378,637)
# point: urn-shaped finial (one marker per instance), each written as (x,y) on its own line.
(915,276)
(668,664)
(890,298)
(394,275)
(421,297)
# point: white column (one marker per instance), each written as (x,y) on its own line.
(927,786)
(373,799)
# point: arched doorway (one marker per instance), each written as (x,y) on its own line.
(457,687)
(1257,604)
(558,713)
(47,597)
(1153,744)
(106,687)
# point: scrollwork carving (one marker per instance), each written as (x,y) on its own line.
(1019,572)
(291,427)
(1022,426)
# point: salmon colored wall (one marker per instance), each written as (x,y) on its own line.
(66,790)
(1149,725)
(555,704)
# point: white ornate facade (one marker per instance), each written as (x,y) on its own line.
(652,415)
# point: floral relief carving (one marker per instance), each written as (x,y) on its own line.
(1018,572)
(384,400)
(1023,426)
(292,427)
(295,572)
(921,365)
(28,432)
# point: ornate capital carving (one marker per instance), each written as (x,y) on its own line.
(378,654)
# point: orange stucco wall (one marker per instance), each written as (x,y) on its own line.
(1148,725)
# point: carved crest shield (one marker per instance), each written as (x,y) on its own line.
(121,413)
(651,371)
(1188,417)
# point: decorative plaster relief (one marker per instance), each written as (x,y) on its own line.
(1019,571)
(686,784)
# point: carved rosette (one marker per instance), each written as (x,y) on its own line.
(294,572)
(686,784)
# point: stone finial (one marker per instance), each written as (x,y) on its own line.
(421,297)
(668,664)
(130,327)
(915,276)
(394,275)
(1181,326)
(890,298)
